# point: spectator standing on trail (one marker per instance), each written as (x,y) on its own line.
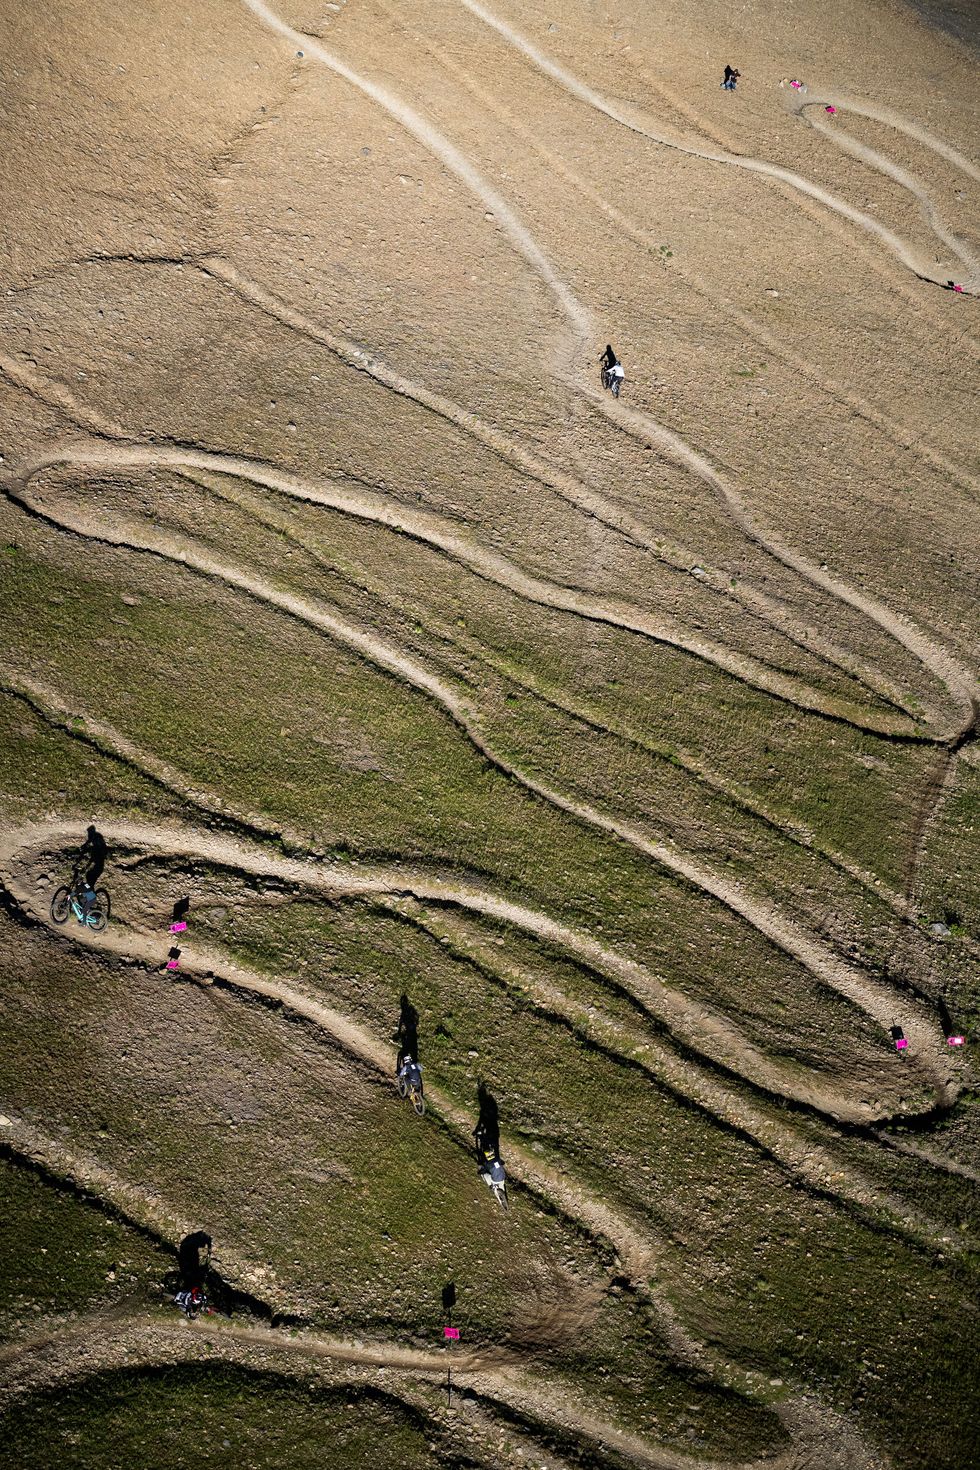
(731,77)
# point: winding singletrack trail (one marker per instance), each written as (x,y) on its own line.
(960,683)
(818,1167)
(842,139)
(848,397)
(706,1031)
(574,314)
(875,998)
(436,532)
(632,120)
(99,1343)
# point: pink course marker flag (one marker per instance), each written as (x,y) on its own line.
(452,1333)
(177,928)
(954,1040)
(173,964)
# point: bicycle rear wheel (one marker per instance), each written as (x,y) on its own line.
(60,905)
(418,1103)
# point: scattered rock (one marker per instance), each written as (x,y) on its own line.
(940,930)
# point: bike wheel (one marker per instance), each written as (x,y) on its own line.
(60,906)
(501,1197)
(99,914)
(402,1086)
(418,1103)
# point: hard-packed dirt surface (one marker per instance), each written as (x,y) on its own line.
(615,757)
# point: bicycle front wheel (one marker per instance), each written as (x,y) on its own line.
(402,1086)
(60,906)
(418,1103)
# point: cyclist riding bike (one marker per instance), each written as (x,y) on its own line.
(410,1072)
(612,371)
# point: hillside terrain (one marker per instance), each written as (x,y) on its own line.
(615,756)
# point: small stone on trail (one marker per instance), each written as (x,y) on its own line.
(130,600)
(940,930)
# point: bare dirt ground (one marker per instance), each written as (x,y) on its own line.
(632,743)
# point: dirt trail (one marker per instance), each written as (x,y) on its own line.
(140,1207)
(631,120)
(98,1344)
(818,1167)
(959,681)
(813,1163)
(772,343)
(436,532)
(841,139)
(699,1027)
(575,315)
(549,694)
(900,124)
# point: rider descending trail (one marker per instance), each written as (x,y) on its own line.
(190,1296)
(612,373)
(80,897)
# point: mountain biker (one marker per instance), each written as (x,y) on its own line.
(492,1171)
(410,1072)
(191,1300)
(612,371)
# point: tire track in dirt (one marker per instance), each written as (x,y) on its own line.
(845,396)
(901,176)
(485,563)
(874,998)
(697,1026)
(892,242)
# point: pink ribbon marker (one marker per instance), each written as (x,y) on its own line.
(178,928)
(831,110)
(452,1333)
(173,964)
(901,1043)
(957,288)
(954,1040)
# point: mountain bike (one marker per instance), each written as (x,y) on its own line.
(68,899)
(492,1174)
(413,1091)
(611,380)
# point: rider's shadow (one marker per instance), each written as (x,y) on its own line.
(487,1130)
(407,1032)
(94,852)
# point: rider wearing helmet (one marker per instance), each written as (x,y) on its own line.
(410,1072)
